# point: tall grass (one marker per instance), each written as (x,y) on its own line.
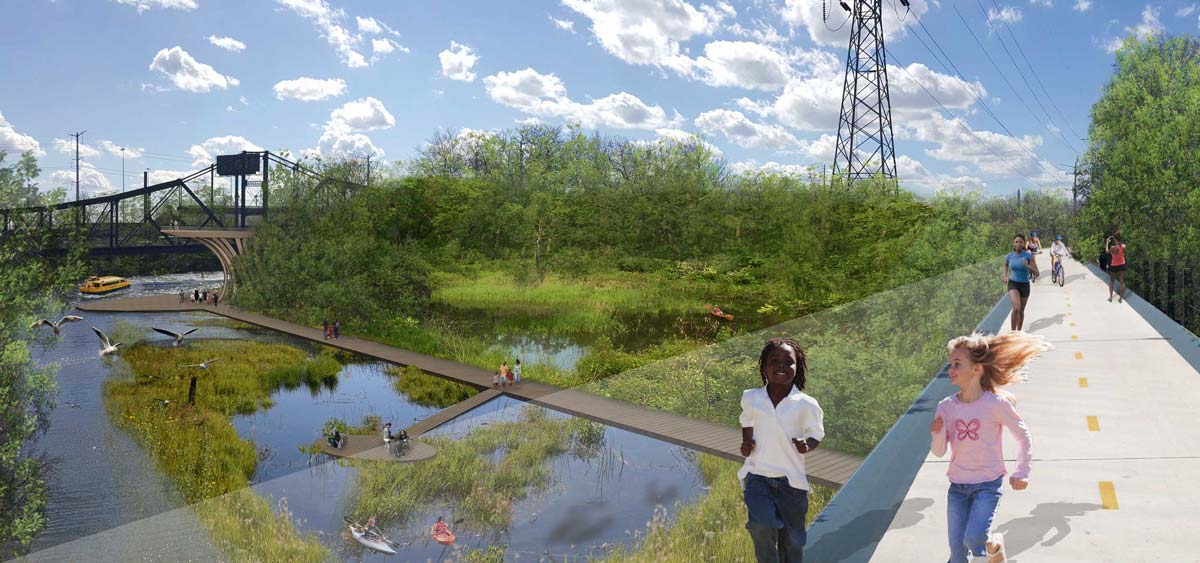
(712,529)
(427,390)
(198,447)
(463,474)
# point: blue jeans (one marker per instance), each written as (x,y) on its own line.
(776,522)
(969,513)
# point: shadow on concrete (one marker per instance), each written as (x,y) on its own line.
(846,542)
(1021,534)
(1042,324)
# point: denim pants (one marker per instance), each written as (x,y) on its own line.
(776,522)
(969,513)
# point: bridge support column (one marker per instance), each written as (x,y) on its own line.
(225,244)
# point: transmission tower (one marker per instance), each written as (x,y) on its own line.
(864,142)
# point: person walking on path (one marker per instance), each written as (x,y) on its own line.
(216,299)
(517,371)
(337,329)
(325,328)
(181,296)
(971,422)
(195,296)
(496,380)
(780,423)
(505,376)
(1116,268)
(1018,266)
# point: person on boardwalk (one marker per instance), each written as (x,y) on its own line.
(387,434)
(181,296)
(195,296)
(1018,266)
(1116,267)
(505,376)
(517,371)
(325,328)
(971,423)
(496,380)
(216,299)
(337,329)
(788,423)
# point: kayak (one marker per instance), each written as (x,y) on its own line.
(444,539)
(376,544)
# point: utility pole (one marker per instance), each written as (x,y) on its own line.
(77,135)
(864,143)
(1075,188)
(368,170)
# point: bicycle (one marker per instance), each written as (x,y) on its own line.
(1059,276)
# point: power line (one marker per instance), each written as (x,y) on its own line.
(971,92)
(968,130)
(1036,77)
(1013,60)
(77,135)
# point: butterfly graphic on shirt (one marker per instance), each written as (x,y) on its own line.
(967,429)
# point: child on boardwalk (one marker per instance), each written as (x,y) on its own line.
(517,371)
(971,422)
(779,423)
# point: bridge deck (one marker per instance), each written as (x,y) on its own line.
(1112,411)
(825,467)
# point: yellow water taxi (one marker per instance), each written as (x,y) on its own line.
(98,285)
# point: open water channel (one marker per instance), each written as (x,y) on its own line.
(100,478)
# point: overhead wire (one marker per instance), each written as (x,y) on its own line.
(952,68)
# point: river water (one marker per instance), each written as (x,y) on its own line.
(100,478)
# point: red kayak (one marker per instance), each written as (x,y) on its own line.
(444,539)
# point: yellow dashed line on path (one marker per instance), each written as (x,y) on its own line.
(1083,382)
(1078,355)
(1108,495)
(1093,424)
(1068,313)
(1074,337)
(1072,324)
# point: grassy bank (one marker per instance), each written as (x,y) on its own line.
(427,390)
(712,529)
(198,447)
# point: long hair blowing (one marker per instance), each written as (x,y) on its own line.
(800,355)
(1005,357)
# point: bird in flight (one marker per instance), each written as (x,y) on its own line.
(201,365)
(58,325)
(177,336)
(109,347)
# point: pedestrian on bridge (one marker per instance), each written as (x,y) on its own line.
(325,328)
(517,371)
(1019,265)
(780,423)
(195,296)
(1116,268)
(972,422)
(337,329)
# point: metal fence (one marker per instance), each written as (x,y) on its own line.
(1172,287)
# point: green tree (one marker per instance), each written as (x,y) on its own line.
(30,285)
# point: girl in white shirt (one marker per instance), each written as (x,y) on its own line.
(780,424)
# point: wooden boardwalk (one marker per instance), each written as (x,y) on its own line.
(371,447)
(825,467)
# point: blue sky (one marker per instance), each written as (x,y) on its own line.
(177,81)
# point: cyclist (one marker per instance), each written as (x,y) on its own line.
(1058,250)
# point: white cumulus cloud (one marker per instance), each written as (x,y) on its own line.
(308,89)
(1082,5)
(366,114)
(647,32)
(227,43)
(544,95)
(1007,15)
(92,182)
(186,73)
(206,152)
(565,25)
(744,132)
(807,14)
(1150,26)
(143,5)
(67,146)
(457,62)
(328,22)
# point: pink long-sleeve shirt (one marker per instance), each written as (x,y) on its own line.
(974,433)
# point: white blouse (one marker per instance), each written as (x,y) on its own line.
(797,416)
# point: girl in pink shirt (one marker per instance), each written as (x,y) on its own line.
(971,422)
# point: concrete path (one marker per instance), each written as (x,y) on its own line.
(1116,449)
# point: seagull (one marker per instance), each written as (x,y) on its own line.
(109,347)
(56,326)
(177,336)
(201,365)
